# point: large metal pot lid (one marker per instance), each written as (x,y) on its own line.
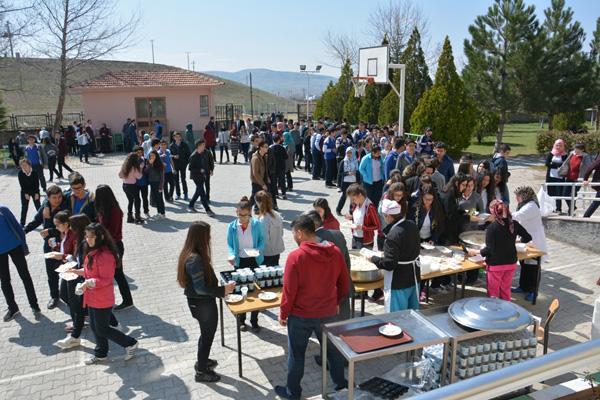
(475,238)
(489,314)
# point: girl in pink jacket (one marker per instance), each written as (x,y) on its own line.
(100,259)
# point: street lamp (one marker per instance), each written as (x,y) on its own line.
(308,72)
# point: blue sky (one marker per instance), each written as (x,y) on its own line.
(231,35)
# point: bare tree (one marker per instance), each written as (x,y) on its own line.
(342,47)
(78,31)
(12,28)
(396,20)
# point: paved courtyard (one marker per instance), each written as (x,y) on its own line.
(31,367)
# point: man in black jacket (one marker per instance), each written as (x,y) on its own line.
(180,154)
(201,167)
(276,158)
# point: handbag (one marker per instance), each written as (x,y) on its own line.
(564,169)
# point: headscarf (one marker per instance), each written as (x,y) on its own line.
(390,207)
(501,212)
(526,194)
(556,151)
(350,163)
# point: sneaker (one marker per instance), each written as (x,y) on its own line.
(516,290)
(185,197)
(210,213)
(10,315)
(147,215)
(130,219)
(191,209)
(178,197)
(283,392)
(210,364)
(95,360)
(529,296)
(68,342)
(37,313)
(53,303)
(207,376)
(123,306)
(130,351)
(284,197)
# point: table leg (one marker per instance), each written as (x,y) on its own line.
(464,281)
(350,380)
(363,296)
(454,344)
(324,362)
(538,277)
(427,285)
(444,362)
(222,321)
(239,342)
(353,303)
(455,282)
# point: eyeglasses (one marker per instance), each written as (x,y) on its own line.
(243,215)
(77,188)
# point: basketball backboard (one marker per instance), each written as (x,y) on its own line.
(373,63)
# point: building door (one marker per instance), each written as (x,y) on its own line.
(149,109)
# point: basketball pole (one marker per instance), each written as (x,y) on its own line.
(400,92)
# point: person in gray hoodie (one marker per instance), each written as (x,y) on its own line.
(273,227)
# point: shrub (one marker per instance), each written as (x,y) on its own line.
(569,121)
(545,140)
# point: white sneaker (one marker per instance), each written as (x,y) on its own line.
(94,360)
(130,351)
(68,342)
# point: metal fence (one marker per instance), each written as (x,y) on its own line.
(28,122)
(226,114)
(576,194)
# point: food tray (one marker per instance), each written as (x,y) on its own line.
(383,388)
(368,338)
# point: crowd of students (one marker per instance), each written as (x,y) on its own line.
(401,194)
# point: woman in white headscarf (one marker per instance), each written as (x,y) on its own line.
(348,169)
(400,263)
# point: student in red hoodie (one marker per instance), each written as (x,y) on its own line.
(315,282)
(110,215)
(100,259)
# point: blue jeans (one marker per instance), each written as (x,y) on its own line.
(299,331)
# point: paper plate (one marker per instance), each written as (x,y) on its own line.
(68,276)
(267,296)
(252,252)
(390,330)
(234,298)
(51,254)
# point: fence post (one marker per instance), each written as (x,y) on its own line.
(572,205)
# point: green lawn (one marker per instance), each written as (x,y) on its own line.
(520,137)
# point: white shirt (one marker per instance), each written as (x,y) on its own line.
(358,217)
(425,232)
(484,200)
(531,218)
(244,239)
(82,139)
(376,164)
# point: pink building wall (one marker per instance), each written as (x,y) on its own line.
(114,106)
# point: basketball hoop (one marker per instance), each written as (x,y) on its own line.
(360,85)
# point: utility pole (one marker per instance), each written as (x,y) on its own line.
(251,98)
(193,65)
(152,44)
(188,59)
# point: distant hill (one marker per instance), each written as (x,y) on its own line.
(30,86)
(280,83)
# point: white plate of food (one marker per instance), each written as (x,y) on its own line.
(233,298)
(267,296)
(252,252)
(52,254)
(427,246)
(390,330)
(68,276)
(66,266)
(477,259)
(444,250)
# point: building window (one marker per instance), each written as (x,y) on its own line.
(204,106)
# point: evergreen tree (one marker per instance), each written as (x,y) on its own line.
(369,105)
(595,58)
(325,106)
(3,115)
(352,109)
(446,106)
(343,90)
(564,71)
(496,54)
(417,81)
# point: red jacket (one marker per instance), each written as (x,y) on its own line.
(371,223)
(69,245)
(315,281)
(102,269)
(210,139)
(115,225)
(331,222)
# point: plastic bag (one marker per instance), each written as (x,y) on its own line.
(547,203)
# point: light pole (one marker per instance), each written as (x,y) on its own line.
(308,72)
(152,44)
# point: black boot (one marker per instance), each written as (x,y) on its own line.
(130,219)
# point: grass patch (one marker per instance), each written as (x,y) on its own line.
(520,137)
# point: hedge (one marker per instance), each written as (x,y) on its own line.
(545,140)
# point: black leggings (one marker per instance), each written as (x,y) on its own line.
(100,322)
(120,277)
(144,195)
(25,205)
(205,312)
(132,191)
(221,149)
(157,196)
(52,168)
(75,303)
(18,258)
(62,164)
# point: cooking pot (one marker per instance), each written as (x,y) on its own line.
(473,239)
(489,314)
(364,276)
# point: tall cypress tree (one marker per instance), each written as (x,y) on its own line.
(416,83)
(500,41)
(343,91)
(325,106)
(595,57)
(352,109)
(446,106)
(564,70)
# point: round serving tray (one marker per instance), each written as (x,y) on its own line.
(489,314)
